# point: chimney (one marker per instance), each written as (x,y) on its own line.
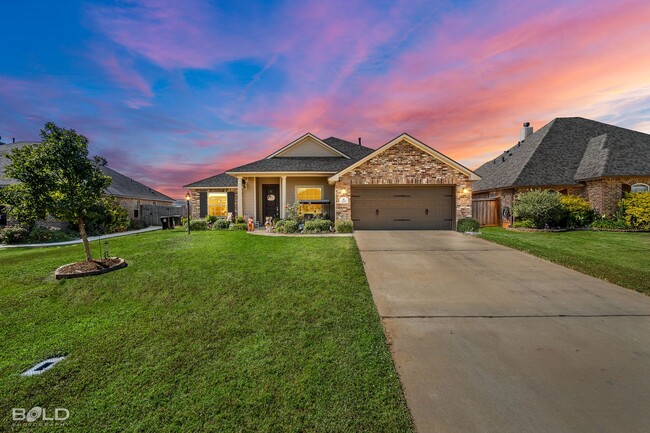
(525,131)
(359,141)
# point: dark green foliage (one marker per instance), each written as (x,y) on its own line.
(139,224)
(57,178)
(609,224)
(239,226)
(221,224)
(106,216)
(318,225)
(543,208)
(240,220)
(289,226)
(578,211)
(211,219)
(42,235)
(197,225)
(467,225)
(524,224)
(344,226)
(13,235)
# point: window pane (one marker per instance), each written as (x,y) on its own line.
(310,193)
(217,204)
(640,187)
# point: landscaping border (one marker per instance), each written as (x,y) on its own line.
(59,276)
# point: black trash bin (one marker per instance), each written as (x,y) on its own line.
(164,222)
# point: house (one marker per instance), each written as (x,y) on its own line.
(574,156)
(403,184)
(142,203)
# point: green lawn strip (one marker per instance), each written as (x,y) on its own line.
(214,331)
(618,257)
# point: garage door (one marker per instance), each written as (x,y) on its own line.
(403,208)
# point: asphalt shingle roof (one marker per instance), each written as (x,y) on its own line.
(317,164)
(221,180)
(122,186)
(566,151)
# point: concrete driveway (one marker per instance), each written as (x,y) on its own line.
(489,339)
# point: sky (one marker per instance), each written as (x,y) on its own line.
(170,92)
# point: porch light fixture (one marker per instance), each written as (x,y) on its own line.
(344,191)
(187,199)
(465,190)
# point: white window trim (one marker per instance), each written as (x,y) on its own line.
(640,184)
(223,194)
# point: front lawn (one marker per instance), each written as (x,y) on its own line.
(217,331)
(618,257)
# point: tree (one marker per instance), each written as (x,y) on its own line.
(56,177)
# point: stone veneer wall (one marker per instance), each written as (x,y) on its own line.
(404,164)
(194,201)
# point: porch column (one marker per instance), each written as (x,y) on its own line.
(240,197)
(255,198)
(283,196)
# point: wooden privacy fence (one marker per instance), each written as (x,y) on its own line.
(486,211)
(150,213)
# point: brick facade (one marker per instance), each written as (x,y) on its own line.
(603,194)
(404,164)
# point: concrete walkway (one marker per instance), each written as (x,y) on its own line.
(489,339)
(78,241)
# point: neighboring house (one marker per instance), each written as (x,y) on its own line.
(404,184)
(142,203)
(574,156)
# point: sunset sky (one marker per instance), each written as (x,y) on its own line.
(174,91)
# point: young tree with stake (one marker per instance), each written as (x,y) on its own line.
(55,177)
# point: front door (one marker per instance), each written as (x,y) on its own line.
(270,201)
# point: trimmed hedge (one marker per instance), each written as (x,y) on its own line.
(289,227)
(221,224)
(13,235)
(197,225)
(467,225)
(543,208)
(344,226)
(317,226)
(578,211)
(239,226)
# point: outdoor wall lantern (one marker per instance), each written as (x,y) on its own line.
(187,199)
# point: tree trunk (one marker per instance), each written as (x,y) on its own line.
(84,238)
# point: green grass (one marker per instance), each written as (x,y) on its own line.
(617,257)
(216,331)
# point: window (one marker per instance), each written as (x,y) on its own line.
(218,204)
(136,213)
(309,193)
(3,216)
(640,187)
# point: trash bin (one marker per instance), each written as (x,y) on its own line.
(164,222)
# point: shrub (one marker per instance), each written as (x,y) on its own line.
(345,226)
(211,219)
(291,212)
(239,226)
(609,224)
(42,234)
(13,234)
(636,210)
(317,225)
(240,220)
(544,209)
(197,225)
(578,211)
(275,221)
(523,224)
(139,224)
(277,225)
(467,225)
(221,224)
(289,226)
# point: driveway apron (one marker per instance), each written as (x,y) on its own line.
(489,339)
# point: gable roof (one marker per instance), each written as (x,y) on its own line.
(322,164)
(415,142)
(309,135)
(566,151)
(221,180)
(124,186)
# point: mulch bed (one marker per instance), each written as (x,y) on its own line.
(86,269)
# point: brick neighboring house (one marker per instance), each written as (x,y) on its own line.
(574,156)
(404,184)
(142,203)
